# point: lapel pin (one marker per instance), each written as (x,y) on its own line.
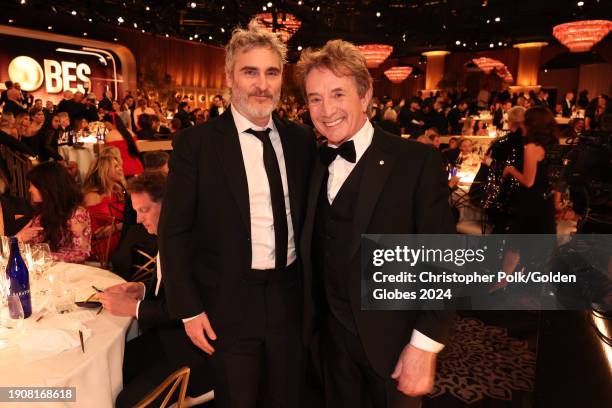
(381,162)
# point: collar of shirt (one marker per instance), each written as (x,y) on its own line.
(243,124)
(362,140)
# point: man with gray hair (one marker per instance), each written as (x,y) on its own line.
(230,228)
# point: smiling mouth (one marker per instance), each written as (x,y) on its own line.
(333,123)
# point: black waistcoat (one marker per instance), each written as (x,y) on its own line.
(331,238)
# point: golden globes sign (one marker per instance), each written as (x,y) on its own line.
(58,76)
(48,64)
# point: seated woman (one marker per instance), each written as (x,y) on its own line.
(15,212)
(59,219)
(121,137)
(103,190)
(467,159)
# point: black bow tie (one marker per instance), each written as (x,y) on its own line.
(346,150)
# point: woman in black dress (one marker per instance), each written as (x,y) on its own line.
(532,207)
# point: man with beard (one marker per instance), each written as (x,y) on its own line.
(229,232)
(367,181)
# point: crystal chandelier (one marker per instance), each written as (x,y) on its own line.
(398,74)
(487,64)
(375,54)
(581,36)
(286,24)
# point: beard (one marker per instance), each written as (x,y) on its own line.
(255,110)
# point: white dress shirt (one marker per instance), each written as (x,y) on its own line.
(260,199)
(339,170)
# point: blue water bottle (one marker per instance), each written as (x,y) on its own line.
(19,277)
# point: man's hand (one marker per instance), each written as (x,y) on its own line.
(118,304)
(135,290)
(195,329)
(415,371)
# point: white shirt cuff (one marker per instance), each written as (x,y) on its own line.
(137,308)
(421,341)
(191,318)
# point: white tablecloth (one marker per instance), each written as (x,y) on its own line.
(97,373)
(84,156)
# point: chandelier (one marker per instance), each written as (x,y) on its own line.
(487,64)
(375,54)
(581,36)
(286,24)
(398,74)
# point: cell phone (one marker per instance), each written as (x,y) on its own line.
(90,304)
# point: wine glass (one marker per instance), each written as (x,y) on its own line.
(11,319)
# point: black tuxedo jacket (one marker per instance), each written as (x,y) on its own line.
(567,108)
(205,226)
(403,191)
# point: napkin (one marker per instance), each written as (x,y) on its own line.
(57,335)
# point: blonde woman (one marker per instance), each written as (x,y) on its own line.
(103,191)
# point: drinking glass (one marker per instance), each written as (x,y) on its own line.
(11,319)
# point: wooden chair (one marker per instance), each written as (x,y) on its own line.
(144,272)
(18,167)
(180,376)
(100,246)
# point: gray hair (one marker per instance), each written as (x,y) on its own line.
(516,114)
(245,39)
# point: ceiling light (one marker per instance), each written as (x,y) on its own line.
(85,34)
(497,19)
(135,25)
(488,21)
(10,21)
(264,8)
(90,20)
(147,8)
(299,3)
(222,29)
(120,20)
(190,38)
(210,37)
(464,44)
(545,70)
(193,4)
(579,4)
(269,4)
(195,36)
(23,1)
(299,48)
(49,28)
(491,45)
(115,39)
(73,12)
(457,42)
(378,14)
(318,8)
(499,43)
(167,36)
(143,31)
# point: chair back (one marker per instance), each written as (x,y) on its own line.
(179,377)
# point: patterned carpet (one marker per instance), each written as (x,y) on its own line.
(484,361)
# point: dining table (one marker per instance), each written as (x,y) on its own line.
(48,352)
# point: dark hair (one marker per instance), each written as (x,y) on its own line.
(145,121)
(58,204)
(182,105)
(176,123)
(541,127)
(151,182)
(155,159)
(218,96)
(125,133)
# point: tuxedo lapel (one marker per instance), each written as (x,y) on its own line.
(378,165)
(291,160)
(230,155)
(316,179)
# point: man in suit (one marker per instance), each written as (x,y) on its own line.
(568,105)
(163,347)
(366,181)
(218,107)
(229,232)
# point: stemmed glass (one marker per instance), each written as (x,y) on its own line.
(11,319)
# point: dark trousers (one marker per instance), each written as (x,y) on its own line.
(349,378)
(264,365)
